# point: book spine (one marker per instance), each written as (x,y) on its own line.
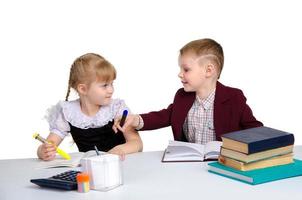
(271,143)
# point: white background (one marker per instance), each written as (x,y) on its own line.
(40,39)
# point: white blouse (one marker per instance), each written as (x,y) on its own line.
(65,112)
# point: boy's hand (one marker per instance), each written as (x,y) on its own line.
(47,151)
(131,121)
(118,151)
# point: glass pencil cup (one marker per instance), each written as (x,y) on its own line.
(105,171)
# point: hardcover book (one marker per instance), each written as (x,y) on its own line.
(258,176)
(270,162)
(257,139)
(247,158)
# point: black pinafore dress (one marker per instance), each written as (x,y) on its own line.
(104,138)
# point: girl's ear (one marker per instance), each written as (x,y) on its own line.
(82,88)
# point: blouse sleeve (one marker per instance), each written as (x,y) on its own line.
(57,122)
(118,107)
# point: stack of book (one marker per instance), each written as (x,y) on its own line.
(256,148)
(252,155)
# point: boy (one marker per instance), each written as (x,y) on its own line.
(204,109)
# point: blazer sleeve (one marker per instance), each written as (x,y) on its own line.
(247,119)
(157,119)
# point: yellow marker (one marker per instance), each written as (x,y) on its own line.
(59,151)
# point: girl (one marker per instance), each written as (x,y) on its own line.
(89,119)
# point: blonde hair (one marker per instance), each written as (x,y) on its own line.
(88,68)
(206,47)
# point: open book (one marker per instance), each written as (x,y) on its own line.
(61,162)
(191,152)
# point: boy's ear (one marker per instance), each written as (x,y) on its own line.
(210,69)
(81,88)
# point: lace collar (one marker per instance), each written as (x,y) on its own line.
(74,115)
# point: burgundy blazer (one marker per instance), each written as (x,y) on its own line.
(231,113)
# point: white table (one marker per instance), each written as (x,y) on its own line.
(145,177)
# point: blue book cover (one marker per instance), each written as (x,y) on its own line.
(259,139)
(258,176)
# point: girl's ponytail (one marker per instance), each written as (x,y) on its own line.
(68,92)
(69,83)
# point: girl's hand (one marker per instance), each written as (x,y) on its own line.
(47,151)
(118,151)
(131,121)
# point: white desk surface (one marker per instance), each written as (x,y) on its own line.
(146,177)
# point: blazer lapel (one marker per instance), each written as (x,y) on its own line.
(222,110)
(183,104)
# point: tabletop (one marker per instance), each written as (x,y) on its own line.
(146,177)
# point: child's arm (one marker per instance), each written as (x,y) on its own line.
(157,119)
(133,143)
(132,121)
(149,121)
(48,151)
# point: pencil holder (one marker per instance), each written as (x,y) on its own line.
(105,171)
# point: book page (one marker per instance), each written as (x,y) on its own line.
(184,151)
(61,162)
(212,149)
(198,147)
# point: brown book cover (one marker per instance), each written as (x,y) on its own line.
(247,158)
(270,162)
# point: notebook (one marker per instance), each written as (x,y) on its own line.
(258,176)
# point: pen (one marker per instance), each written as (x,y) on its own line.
(122,122)
(59,151)
(96,150)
